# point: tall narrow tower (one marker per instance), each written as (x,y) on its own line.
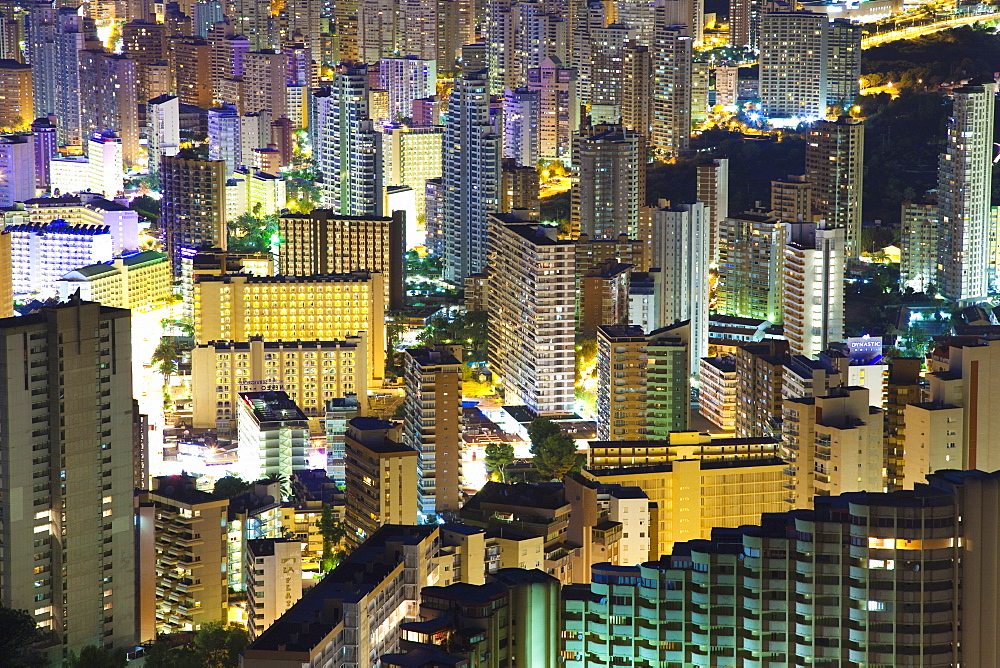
(964,173)
(835,170)
(470,176)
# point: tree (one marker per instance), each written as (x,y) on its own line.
(92,656)
(230,486)
(498,457)
(18,636)
(251,232)
(553,452)
(220,644)
(160,654)
(284,483)
(166,355)
(333,533)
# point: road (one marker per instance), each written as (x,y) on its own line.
(918,31)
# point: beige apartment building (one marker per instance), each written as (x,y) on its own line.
(833,444)
(621,383)
(679,445)
(433,425)
(326,308)
(183,531)
(273,580)
(381,476)
(311,372)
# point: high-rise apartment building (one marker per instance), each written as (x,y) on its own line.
(919,241)
(17,106)
(433,424)
(637,91)
(410,155)
(813,287)
(834,170)
(558,108)
(43,132)
(792,199)
(760,368)
(808,64)
(672,89)
(717,393)
(964,173)
(610,184)
(751,248)
(194,204)
(322,242)
(146,44)
(312,373)
(347,145)
(903,388)
(607,70)
(163,129)
(406,79)
(470,176)
(67,455)
(520,126)
(833,444)
(273,573)
(955,426)
(797,605)
(191,66)
(700,493)
(712,188)
(681,250)
(668,379)
(264,76)
(519,188)
(381,475)
(531,302)
(621,383)
(603,297)
(326,307)
(225,139)
(109,99)
(17,169)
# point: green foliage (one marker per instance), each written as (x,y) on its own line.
(251,232)
(166,355)
(92,656)
(914,341)
(18,635)
(284,483)
(219,644)
(553,452)
(556,207)
(468,329)
(183,324)
(230,486)
(147,207)
(498,457)
(949,55)
(334,533)
(161,654)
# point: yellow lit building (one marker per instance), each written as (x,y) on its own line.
(136,281)
(16,98)
(679,445)
(694,495)
(326,307)
(311,372)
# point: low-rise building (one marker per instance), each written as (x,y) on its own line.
(137,281)
(273,435)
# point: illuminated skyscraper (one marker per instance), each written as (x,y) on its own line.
(835,173)
(610,185)
(964,176)
(470,176)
